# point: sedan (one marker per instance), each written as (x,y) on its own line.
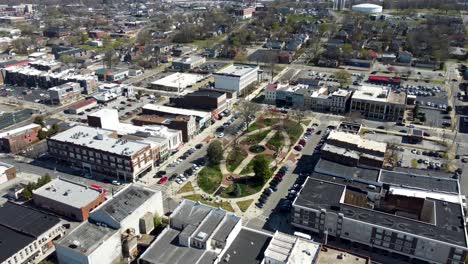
(198,146)
(162,180)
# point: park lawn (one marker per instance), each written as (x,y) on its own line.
(209,179)
(293,129)
(198,198)
(276,142)
(235,157)
(186,188)
(256,138)
(271,121)
(247,185)
(249,168)
(244,205)
(255,126)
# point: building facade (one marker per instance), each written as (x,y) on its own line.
(15,140)
(378,103)
(65,93)
(236,77)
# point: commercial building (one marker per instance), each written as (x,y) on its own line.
(13,141)
(188,63)
(112,75)
(186,124)
(377,102)
(81,106)
(339,4)
(26,234)
(245,13)
(352,150)
(69,199)
(113,228)
(12,20)
(65,93)
(177,82)
(7,172)
(71,51)
(236,77)
(99,151)
(56,32)
(162,139)
(409,222)
(196,233)
(367,8)
(203,118)
(202,99)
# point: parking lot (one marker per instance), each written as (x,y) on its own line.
(420,159)
(435,117)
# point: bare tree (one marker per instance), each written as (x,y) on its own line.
(248,110)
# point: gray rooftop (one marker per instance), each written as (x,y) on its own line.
(67,192)
(339,170)
(99,139)
(209,225)
(87,237)
(247,247)
(126,202)
(413,180)
(226,227)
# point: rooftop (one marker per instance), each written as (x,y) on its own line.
(12,242)
(26,220)
(179,80)
(87,237)
(189,59)
(18,130)
(290,249)
(357,140)
(413,180)
(330,255)
(126,202)
(99,139)
(248,247)
(176,111)
(67,192)
(237,70)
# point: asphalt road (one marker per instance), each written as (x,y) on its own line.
(10,119)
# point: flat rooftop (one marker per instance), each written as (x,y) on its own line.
(179,80)
(330,255)
(18,130)
(175,110)
(412,180)
(357,140)
(448,225)
(291,249)
(67,192)
(237,70)
(371,93)
(86,238)
(366,175)
(12,242)
(248,247)
(99,139)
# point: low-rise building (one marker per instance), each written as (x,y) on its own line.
(7,172)
(56,32)
(188,63)
(236,77)
(203,118)
(202,99)
(81,106)
(65,93)
(112,75)
(15,140)
(100,151)
(177,82)
(186,124)
(69,199)
(376,102)
(245,13)
(27,234)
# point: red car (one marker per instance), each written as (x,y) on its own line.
(302,142)
(162,180)
(310,129)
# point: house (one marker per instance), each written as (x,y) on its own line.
(7,172)
(285,57)
(405,57)
(97,34)
(274,44)
(458,53)
(56,32)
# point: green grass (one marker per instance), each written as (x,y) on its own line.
(198,198)
(293,129)
(299,18)
(88,47)
(249,168)
(206,43)
(248,186)
(261,123)
(256,138)
(209,178)
(186,188)
(254,126)
(244,205)
(235,157)
(276,142)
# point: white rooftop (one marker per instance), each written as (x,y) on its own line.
(179,80)
(100,139)
(291,249)
(238,70)
(18,130)
(176,111)
(410,192)
(67,192)
(357,140)
(371,93)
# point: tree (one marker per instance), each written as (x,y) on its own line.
(66,59)
(157,220)
(138,95)
(30,187)
(343,77)
(237,190)
(248,110)
(449,109)
(39,120)
(261,168)
(298,114)
(214,153)
(84,38)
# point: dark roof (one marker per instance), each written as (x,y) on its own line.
(419,181)
(424,172)
(348,182)
(207,93)
(247,247)
(11,242)
(320,194)
(126,202)
(26,220)
(362,174)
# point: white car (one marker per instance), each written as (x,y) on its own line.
(115,182)
(220,135)
(178,181)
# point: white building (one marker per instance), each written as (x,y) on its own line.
(236,77)
(177,82)
(378,102)
(65,93)
(367,8)
(113,228)
(288,249)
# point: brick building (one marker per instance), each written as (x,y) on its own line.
(69,199)
(15,140)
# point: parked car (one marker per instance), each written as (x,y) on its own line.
(162,180)
(198,146)
(298,147)
(115,182)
